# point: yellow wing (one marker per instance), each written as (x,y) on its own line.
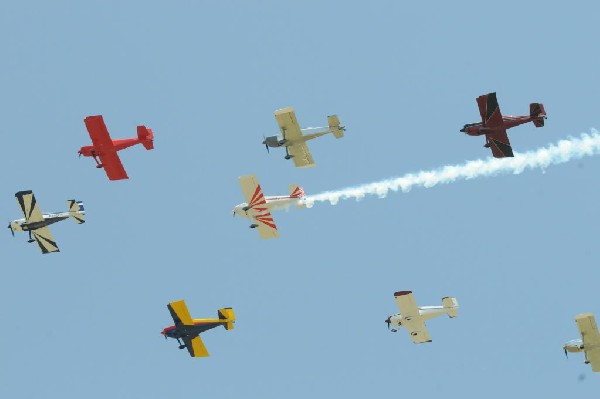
(45,240)
(195,346)
(180,313)
(411,317)
(590,337)
(290,130)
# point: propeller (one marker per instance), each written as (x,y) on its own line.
(388,321)
(11,229)
(566,353)
(265,143)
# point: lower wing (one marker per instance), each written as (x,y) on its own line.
(417,330)
(266,225)
(45,240)
(498,142)
(113,166)
(195,346)
(301,155)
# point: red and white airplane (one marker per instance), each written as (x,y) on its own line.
(259,207)
(106,149)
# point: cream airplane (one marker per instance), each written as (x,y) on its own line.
(413,318)
(294,141)
(259,207)
(36,223)
(589,343)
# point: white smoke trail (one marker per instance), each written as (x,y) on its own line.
(561,152)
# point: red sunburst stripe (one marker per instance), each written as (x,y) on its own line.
(258,197)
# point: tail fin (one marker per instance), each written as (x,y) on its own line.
(227,315)
(451,304)
(76,210)
(536,110)
(334,126)
(146,136)
(297,192)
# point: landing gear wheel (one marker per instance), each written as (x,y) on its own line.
(181,346)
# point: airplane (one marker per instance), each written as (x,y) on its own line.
(36,223)
(494,125)
(589,343)
(294,141)
(258,207)
(105,148)
(188,329)
(413,317)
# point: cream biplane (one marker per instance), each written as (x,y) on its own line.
(259,207)
(589,343)
(188,330)
(413,317)
(294,141)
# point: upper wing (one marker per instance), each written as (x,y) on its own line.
(301,155)
(29,206)
(195,346)
(44,239)
(180,314)
(411,317)
(112,165)
(98,131)
(590,337)
(286,119)
(492,118)
(104,148)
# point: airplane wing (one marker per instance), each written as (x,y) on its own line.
(195,346)
(255,199)
(590,337)
(105,149)
(497,139)
(411,317)
(290,130)
(45,240)
(301,155)
(180,314)
(29,206)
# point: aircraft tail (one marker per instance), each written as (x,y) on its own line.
(76,210)
(536,110)
(451,304)
(227,315)
(297,192)
(146,136)
(334,126)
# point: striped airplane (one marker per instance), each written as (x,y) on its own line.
(259,207)
(36,223)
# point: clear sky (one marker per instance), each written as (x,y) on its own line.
(519,252)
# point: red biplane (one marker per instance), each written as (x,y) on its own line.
(106,149)
(494,125)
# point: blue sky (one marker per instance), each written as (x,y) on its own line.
(519,252)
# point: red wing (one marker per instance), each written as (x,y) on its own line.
(112,165)
(498,142)
(98,132)
(490,111)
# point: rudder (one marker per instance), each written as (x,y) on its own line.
(297,192)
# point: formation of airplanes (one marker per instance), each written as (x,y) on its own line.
(258,208)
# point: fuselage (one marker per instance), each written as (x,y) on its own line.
(477,129)
(200,325)
(49,218)
(272,203)
(426,312)
(574,345)
(118,145)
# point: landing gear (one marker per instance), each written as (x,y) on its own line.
(394,330)
(253,226)
(30,239)
(287,154)
(181,346)
(98,164)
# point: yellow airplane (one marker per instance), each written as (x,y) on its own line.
(187,329)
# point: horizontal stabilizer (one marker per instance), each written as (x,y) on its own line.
(76,211)
(146,136)
(334,126)
(537,110)
(227,315)
(451,304)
